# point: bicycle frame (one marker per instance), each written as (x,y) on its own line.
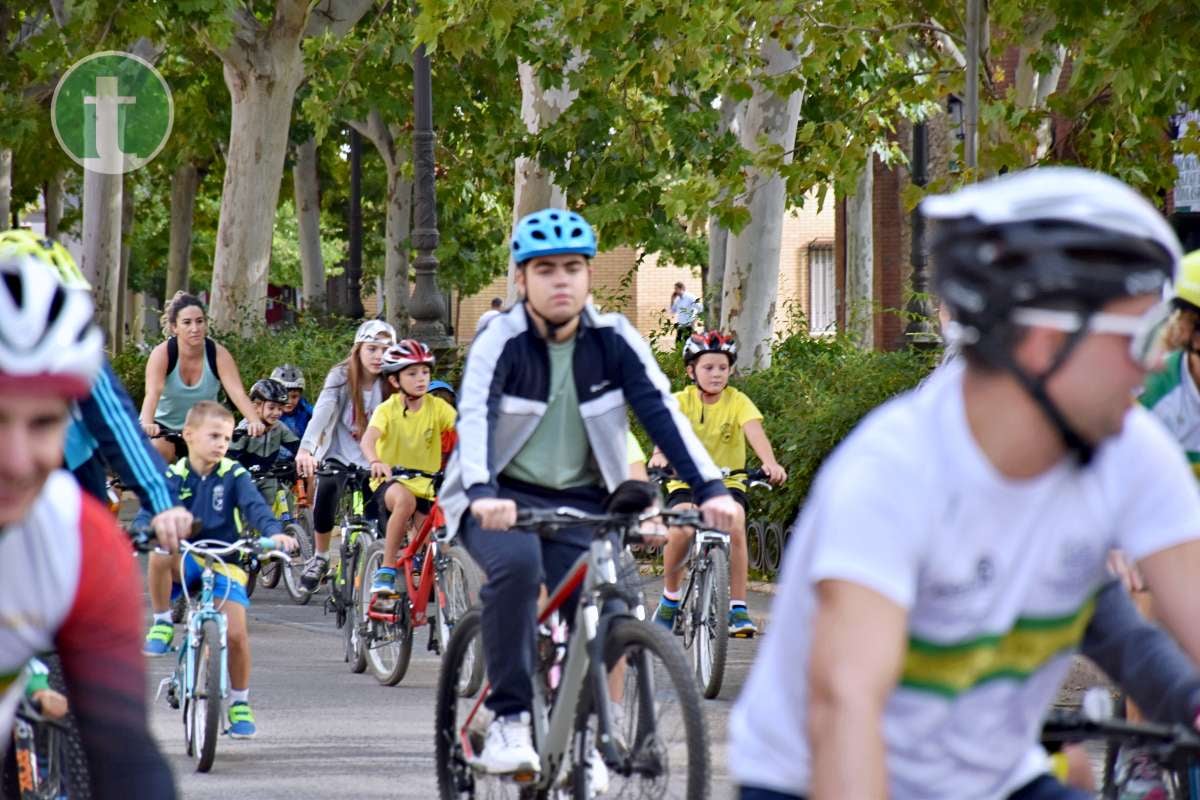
(33,777)
(418,595)
(203,610)
(554,718)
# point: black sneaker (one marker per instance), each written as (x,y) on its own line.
(314,571)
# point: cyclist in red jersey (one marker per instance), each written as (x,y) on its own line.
(67,581)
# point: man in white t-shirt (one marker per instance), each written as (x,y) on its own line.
(946,562)
(486,317)
(684,308)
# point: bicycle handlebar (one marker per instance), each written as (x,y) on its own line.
(144,538)
(262,545)
(549,520)
(281,470)
(329,469)
(755,478)
(1072,726)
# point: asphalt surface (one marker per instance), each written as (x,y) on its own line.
(324,732)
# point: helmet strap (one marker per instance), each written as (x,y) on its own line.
(1035,386)
(552,328)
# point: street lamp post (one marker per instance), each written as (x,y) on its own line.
(427,307)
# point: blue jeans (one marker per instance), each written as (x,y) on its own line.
(1043,788)
(516,563)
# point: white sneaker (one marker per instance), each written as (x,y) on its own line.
(509,747)
(597,775)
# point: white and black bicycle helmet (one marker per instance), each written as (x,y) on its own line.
(1059,235)
(47,338)
(289,375)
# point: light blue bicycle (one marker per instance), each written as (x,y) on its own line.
(200,682)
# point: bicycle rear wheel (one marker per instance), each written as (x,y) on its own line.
(461,579)
(656,716)
(389,645)
(202,715)
(708,616)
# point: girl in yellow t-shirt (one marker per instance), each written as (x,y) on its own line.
(405,431)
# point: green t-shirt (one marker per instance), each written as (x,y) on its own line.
(557,455)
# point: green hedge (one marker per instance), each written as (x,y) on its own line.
(814,393)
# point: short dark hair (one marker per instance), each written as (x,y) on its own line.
(497,302)
(679,285)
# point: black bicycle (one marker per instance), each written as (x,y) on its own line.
(291,510)
(45,759)
(702,619)
(1175,749)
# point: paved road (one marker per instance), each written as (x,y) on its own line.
(324,732)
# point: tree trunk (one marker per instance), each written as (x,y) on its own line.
(305,184)
(718,235)
(398,222)
(262,76)
(137,319)
(102,245)
(52,196)
(263,66)
(751,280)
(860,258)
(534,187)
(185,183)
(6,158)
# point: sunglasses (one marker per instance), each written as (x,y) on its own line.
(1146,333)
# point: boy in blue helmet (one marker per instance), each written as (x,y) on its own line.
(553,375)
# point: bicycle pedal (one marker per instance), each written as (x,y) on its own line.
(525,777)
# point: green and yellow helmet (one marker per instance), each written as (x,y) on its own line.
(48,251)
(1187,285)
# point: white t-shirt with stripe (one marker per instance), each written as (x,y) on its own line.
(997,575)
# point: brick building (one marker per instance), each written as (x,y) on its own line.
(643,292)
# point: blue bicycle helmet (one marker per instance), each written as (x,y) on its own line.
(552,232)
(435,385)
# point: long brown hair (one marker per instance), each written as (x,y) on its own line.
(356,378)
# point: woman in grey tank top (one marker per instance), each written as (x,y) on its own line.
(353,389)
(171,394)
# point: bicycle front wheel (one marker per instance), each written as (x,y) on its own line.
(458,591)
(710,637)
(204,709)
(352,594)
(295,566)
(461,723)
(389,644)
(656,720)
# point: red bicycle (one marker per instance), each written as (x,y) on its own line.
(445,574)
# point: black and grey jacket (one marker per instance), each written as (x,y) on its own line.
(505,388)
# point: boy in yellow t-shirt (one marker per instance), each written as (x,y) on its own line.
(724,419)
(405,431)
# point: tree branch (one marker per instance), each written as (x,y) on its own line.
(900,26)
(336,17)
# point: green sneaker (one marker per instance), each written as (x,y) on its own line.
(241,721)
(664,615)
(740,624)
(158,639)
